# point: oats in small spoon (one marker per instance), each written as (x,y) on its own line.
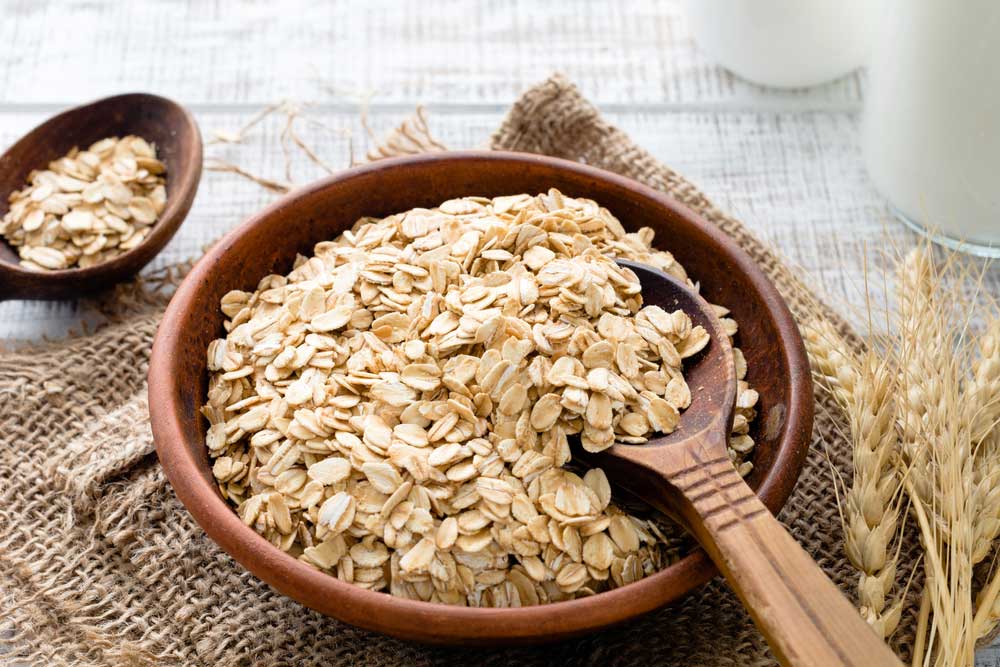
(88,206)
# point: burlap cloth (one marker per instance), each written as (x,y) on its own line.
(101,565)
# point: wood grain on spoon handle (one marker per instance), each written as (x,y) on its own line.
(805,618)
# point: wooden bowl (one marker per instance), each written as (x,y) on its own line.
(155,119)
(268,243)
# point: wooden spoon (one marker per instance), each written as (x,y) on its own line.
(155,119)
(688,474)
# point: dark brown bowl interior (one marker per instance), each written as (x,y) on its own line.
(268,243)
(156,119)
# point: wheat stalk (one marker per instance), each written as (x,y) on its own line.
(872,499)
(984,389)
(987,528)
(869,510)
(924,407)
(921,372)
(938,449)
(983,411)
(832,361)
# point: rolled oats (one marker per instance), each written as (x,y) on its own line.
(397,410)
(88,206)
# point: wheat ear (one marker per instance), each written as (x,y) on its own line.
(984,393)
(919,326)
(982,399)
(833,362)
(986,529)
(938,452)
(865,388)
(984,389)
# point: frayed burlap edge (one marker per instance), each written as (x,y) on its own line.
(100,565)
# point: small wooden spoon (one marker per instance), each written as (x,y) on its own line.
(155,119)
(688,474)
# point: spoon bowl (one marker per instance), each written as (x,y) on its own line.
(157,120)
(688,475)
(710,374)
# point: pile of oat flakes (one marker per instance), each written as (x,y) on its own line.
(397,410)
(88,207)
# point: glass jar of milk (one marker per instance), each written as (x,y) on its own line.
(931,131)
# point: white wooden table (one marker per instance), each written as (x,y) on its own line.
(787,163)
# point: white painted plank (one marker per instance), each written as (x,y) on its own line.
(431,51)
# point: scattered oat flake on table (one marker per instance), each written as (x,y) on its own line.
(397,410)
(88,206)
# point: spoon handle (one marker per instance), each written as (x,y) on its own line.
(805,618)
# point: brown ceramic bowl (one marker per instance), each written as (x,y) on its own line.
(157,120)
(268,243)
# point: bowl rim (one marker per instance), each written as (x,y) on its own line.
(180,194)
(435,622)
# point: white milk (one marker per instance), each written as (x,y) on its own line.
(786,43)
(932,119)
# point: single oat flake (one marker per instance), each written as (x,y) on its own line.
(397,410)
(88,206)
